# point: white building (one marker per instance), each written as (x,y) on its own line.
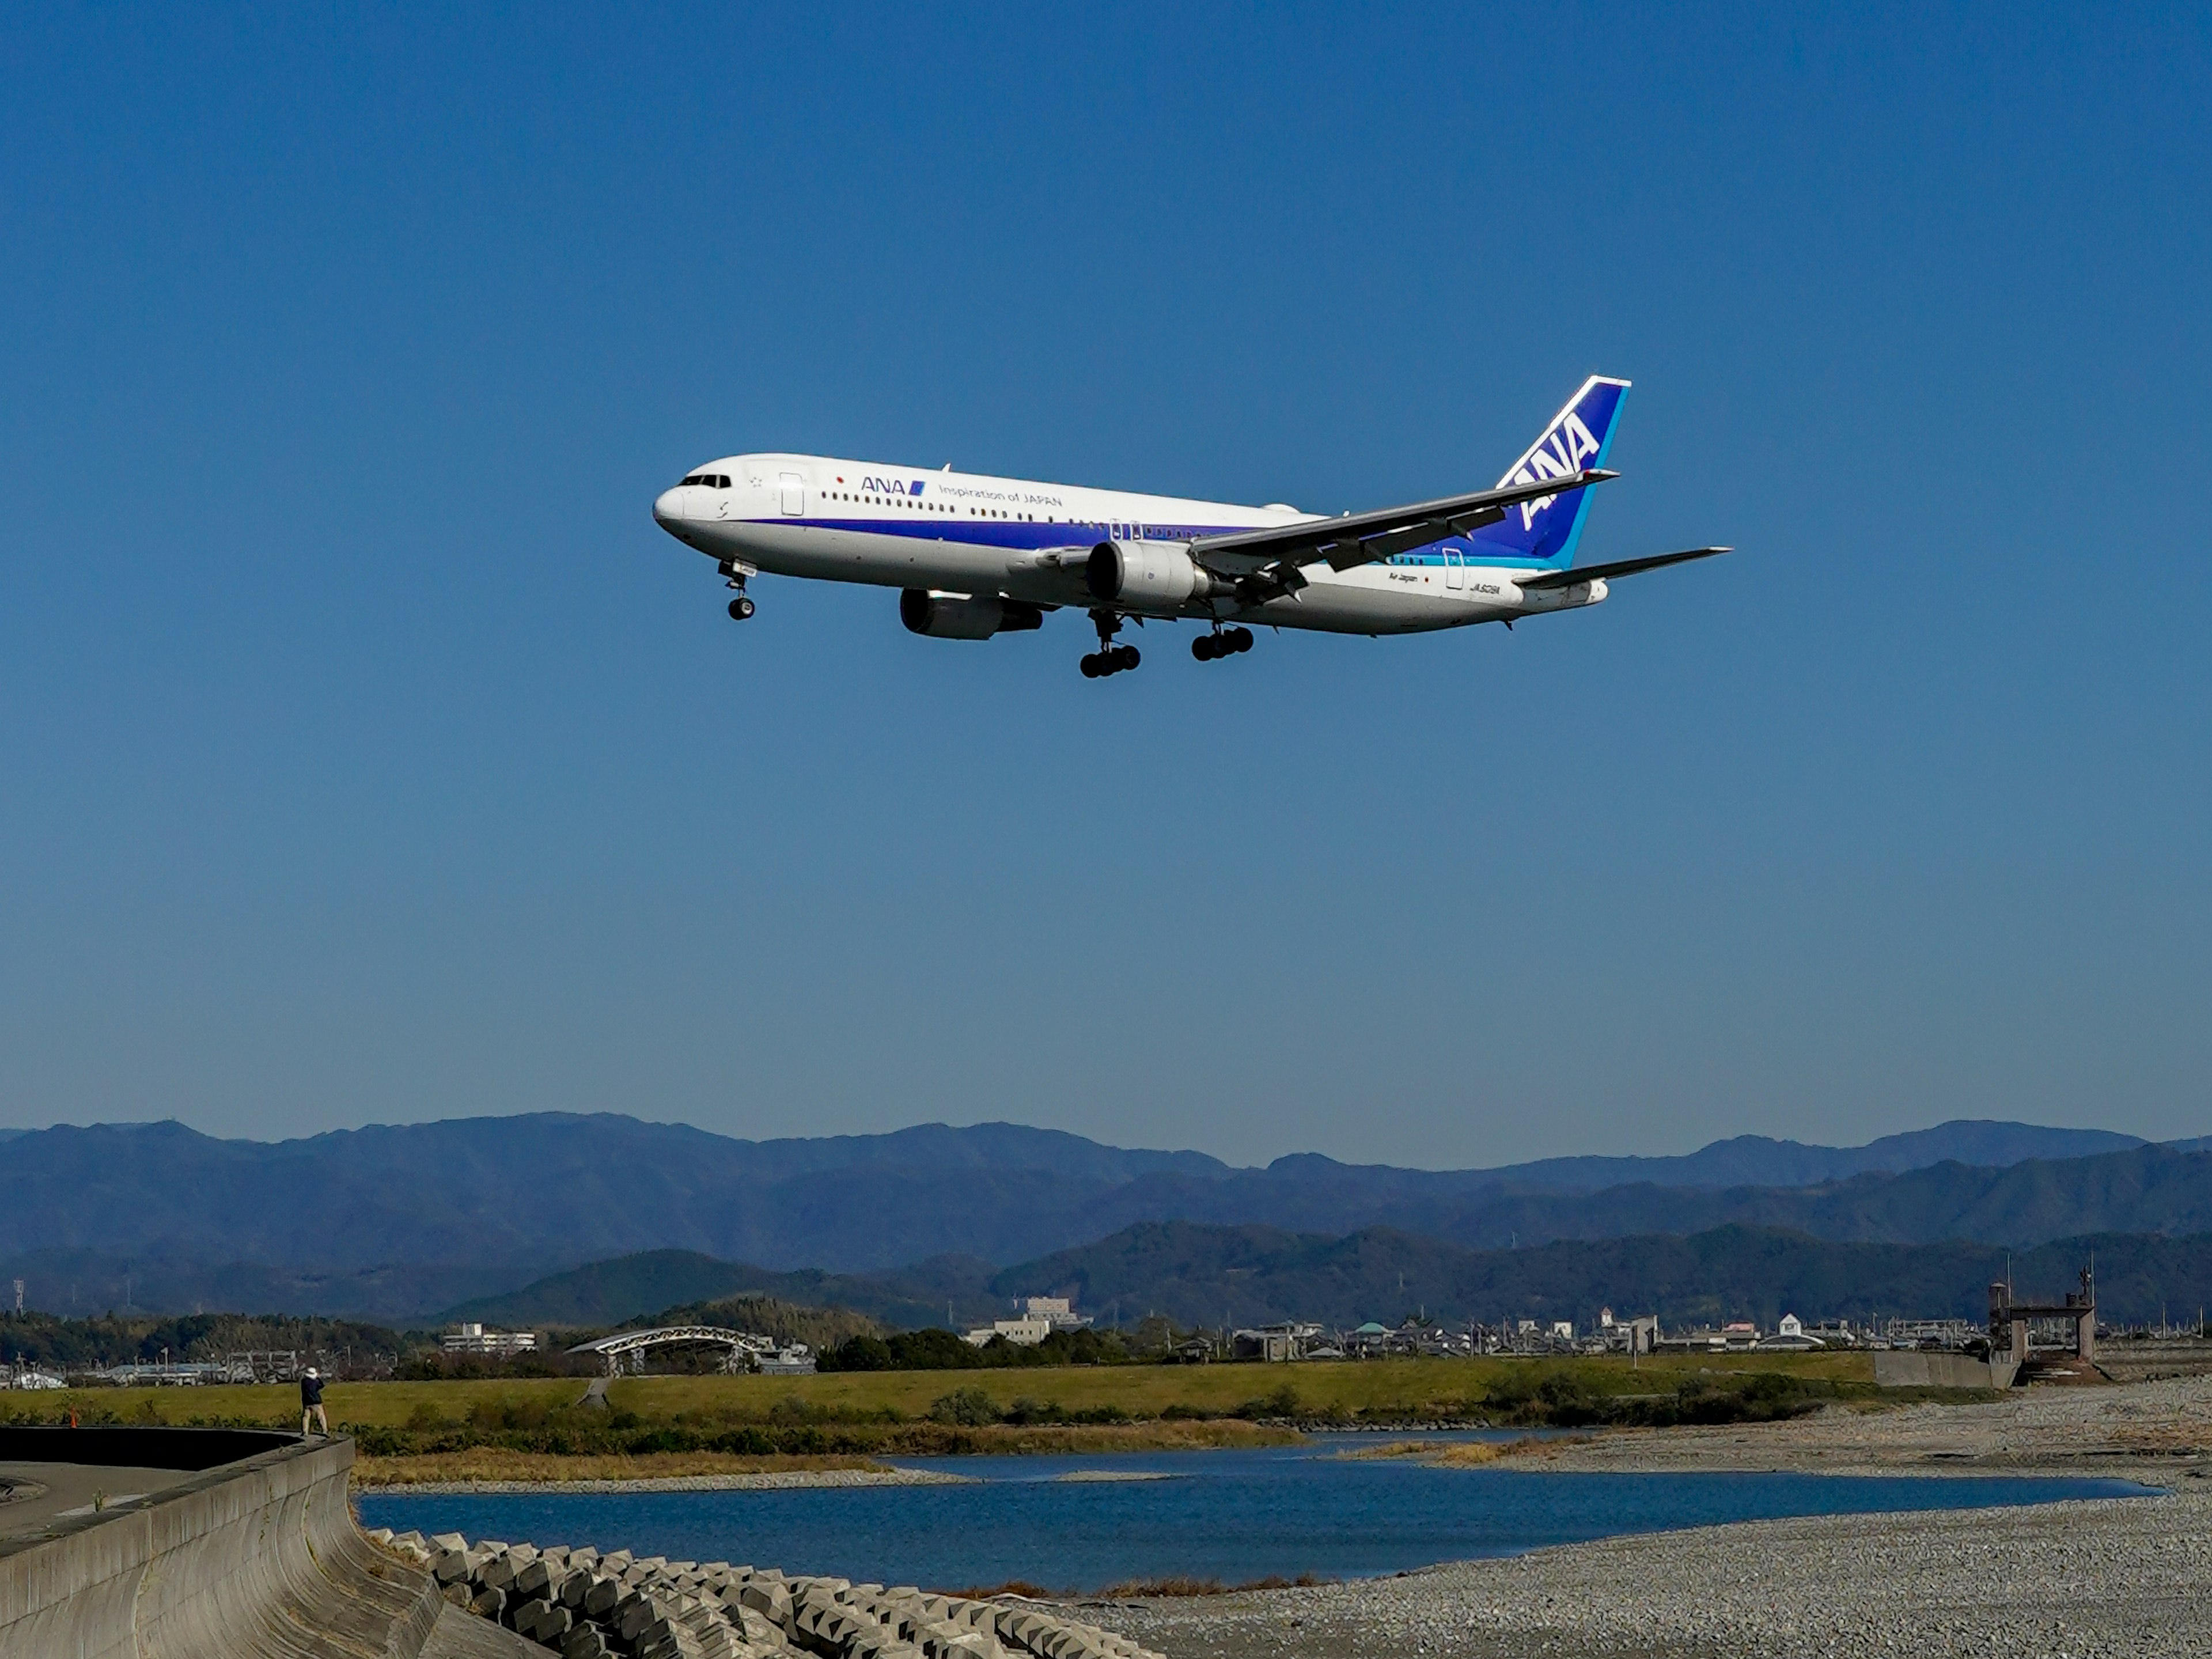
(1023,1333)
(1057,1311)
(499,1345)
(1040,1317)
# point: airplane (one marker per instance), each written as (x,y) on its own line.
(975,555)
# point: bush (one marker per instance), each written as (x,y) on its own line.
(967,1408)
(858,1353)
(1565,1400)
(1283,1403)
(939,1350)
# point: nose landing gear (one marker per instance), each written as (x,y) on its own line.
(1110,658)
(1222,642)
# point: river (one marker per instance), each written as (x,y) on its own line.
(1234,1516)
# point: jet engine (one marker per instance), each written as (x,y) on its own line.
(1145,575)
(964,616)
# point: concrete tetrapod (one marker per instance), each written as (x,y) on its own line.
(586,1606)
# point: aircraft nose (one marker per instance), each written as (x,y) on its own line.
(670,507)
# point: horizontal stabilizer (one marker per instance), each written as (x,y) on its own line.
(1599,573)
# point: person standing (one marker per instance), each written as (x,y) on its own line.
(311,1404)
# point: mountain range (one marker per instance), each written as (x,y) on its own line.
(402,1222)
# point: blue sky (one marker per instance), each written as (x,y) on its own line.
(366,754)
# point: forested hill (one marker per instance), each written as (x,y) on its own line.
(1197,1274)
(1251,1275)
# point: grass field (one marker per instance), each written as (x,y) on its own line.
(1381,1391)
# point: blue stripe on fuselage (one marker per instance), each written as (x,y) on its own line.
(1014,536)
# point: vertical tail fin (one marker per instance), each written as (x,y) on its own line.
(1547,530)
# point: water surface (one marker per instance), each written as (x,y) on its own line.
(1234,1515)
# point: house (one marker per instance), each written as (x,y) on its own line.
(1630,1336)
(1288,1340)
(1370,1342)
(499,1344)
(1789,1335)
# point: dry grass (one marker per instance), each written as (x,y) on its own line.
(1387,1448)
(1447,1454)
(1399,1389)
(1474,1454)
(1414,1388)
(491,1463)
(1086,1438)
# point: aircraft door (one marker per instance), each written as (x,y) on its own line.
(1455,569)
(793,488)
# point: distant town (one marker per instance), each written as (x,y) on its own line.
(1038,1326)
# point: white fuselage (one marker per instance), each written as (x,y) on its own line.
(965,533)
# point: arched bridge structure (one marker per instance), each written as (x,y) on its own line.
(739,1347)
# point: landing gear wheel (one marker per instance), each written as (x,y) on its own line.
(1110,658)
(1202,648)
(741,609)
(1240,639)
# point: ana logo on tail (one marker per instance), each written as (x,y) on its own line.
(1558,454)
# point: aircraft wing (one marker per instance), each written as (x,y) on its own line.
(1360,538)
(1589,573)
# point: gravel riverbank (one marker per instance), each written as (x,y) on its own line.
(2155,1431)
(2110,1576)
(2123,1576)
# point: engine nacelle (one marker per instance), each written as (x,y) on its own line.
(1145,575)
(964,616)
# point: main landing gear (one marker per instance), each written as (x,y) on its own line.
(1110,658)
(1222,642)
(741,607)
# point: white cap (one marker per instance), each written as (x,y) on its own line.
(312,1372)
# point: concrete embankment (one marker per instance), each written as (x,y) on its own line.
(246,1546)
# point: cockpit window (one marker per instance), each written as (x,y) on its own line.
(712,480)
